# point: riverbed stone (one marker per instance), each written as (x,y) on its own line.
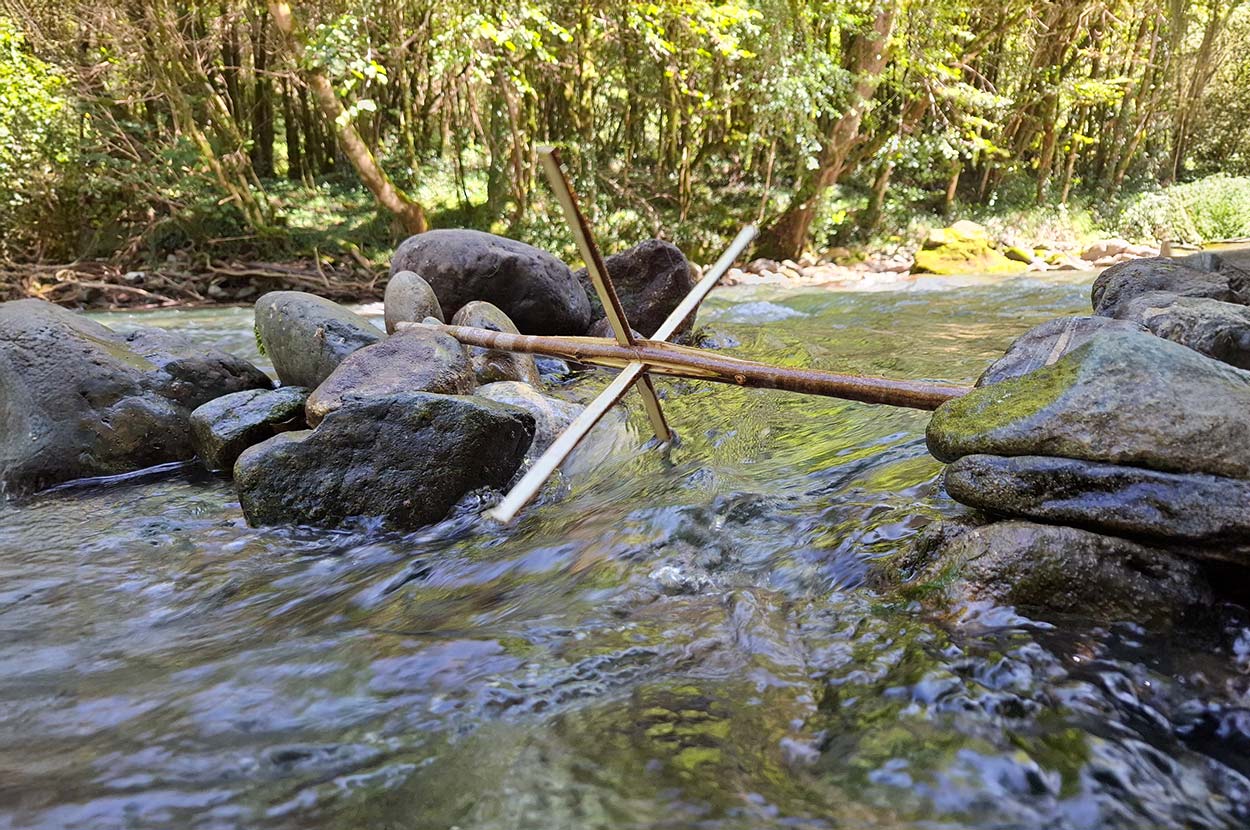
(1043,345)
(536,290)
(651,279)
(409,299)
(1119,284)
(402,459)
(413,360)
(1217,329)
(551,415)
(491,365)
(78,399)
(1109,498)
(963,248)
(306,336)
(224,427)
(1122,398)
(1064,570)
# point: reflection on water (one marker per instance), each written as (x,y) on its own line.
(668,639)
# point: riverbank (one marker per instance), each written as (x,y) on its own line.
(105,286)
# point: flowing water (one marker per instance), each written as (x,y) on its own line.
(672,639)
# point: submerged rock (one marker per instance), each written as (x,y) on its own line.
(306,336)
(1126,501)
(414,360)
(536,290)
(224,427)
(404,458)
(409,299)
(490,365)
(1063,570)
(77,399)
(651,279)
(1121,283)
(1123,398)
(963,248)
(1045,344)
(1218,329)
(551,415)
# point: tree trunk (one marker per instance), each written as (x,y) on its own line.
(262,101)
(866,57)
(409,213)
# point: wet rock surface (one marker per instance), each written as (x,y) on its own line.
(1059,569)
(1045,344)
(651,279)
(306,336)
(551,415)
(491,365)
(402,459)
(224,427)
(1122,398)
(1218,329)
(77,399)
(414,360)
(1125,501)
(536,290)
(1121,283)
(409,299)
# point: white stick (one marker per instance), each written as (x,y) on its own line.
(550,461)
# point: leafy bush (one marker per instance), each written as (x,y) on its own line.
(1217,207)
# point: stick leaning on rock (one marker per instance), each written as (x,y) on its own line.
(637,358)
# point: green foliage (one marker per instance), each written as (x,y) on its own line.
(681,118)
(1206,210)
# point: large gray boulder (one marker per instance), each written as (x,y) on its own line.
(306,336)
(651,278)
(404,459)
(536,290)
(491,365)
(414,360)
(551,415)
(224,427)
(77,399)
(1043,345)
(409,299)
(1218,329)
(1121,283)
(1125,501)
(1123,398)
(1064,570)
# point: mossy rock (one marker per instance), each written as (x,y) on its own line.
(964,248)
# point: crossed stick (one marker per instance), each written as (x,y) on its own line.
(638,359)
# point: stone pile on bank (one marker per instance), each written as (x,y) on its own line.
(405,424)
(1113,448)
(391,428)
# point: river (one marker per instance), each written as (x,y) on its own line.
(674,639)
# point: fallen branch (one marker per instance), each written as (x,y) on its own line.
(669,359)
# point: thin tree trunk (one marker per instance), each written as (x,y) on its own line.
(866,57)
(409,213)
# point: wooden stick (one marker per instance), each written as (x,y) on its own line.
(672,360)
(689,305)
(546,465)
(529,485)
(598,273)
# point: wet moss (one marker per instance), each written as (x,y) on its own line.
(966,424)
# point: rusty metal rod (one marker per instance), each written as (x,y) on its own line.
(663,358)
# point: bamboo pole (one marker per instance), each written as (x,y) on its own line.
(672,360)
(546,464)
(598,273)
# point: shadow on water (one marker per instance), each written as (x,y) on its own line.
(668,639)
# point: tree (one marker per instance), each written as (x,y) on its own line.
(409,213)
